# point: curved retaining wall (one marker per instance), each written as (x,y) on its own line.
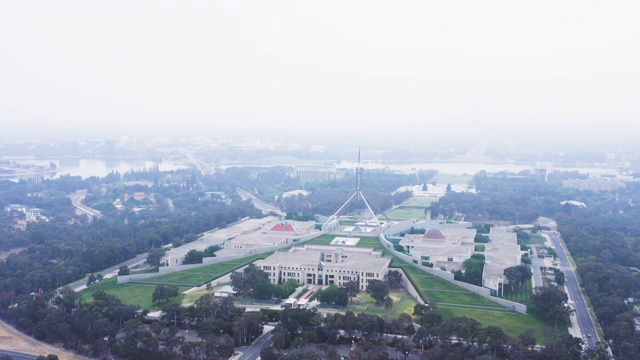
(407,284)
(484,292)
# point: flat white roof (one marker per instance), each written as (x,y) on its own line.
(347,241)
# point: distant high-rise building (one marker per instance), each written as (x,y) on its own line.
(594,184)
(315,172)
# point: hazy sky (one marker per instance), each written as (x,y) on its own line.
(411,65)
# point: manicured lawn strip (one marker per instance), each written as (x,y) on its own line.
(420,201)
(406,305)
(435,289)
(140,295)
(513,324)
(201,275)
(536,238)
(192,297)
(479,247)
(523,296)
(401,214)
(364,303)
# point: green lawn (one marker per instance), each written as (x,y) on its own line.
(511,323)
(364,303)
(536,238)
(479,247)
(420,201)
(521,296)
(192,297)
(140,295)
(201,275)
(401,214)
(406,305)
(437,290)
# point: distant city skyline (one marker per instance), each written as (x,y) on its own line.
(383,69)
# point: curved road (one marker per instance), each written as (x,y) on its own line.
(76,199)
(261,205)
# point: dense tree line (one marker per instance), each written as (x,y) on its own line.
(304,334)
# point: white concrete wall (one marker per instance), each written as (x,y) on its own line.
(406,283)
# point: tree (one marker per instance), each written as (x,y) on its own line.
(254,278)
(247,328)
(124,270)
(342,298)
(559,275)
(270,353)
(566,347)
(388,302)
(551,304)
(527,339)
(378,290)
(91,279)
(464,328)
(210,251)
(164,293)
(352,288)
(473,271)
(517,275)
(193,257)
(394,278)
(154,256)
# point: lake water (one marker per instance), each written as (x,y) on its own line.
(97,167)
(101,167)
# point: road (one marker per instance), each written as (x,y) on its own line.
(17,355)
(202,166)
(265,207)
(536,263)
(585,322)
(76,199)
(252,352)
(82,283)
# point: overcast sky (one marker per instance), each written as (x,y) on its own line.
(409,65)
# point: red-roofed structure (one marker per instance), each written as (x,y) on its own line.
(435,234)
(283,227)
